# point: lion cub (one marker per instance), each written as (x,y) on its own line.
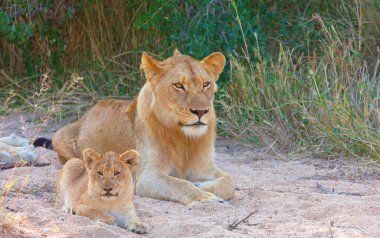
(100,188)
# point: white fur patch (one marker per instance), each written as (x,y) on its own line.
(14,148)
(14,140)
(194,131)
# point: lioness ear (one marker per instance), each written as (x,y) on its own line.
(130,157)
(215,62)
(176,52)
(90,156)
(149,65)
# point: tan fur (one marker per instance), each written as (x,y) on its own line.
(100,188)
(164,124)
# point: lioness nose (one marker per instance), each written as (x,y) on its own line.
(200,113)
(107,189)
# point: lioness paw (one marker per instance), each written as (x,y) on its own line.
(205,197)
(138,227)
(212,198)
(205,185)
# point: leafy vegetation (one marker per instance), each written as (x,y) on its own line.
(301,75)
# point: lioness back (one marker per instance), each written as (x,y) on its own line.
(102,121)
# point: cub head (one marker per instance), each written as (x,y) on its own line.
(183,90)
(110,174)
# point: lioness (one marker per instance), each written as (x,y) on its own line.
(171,123)
(100,188)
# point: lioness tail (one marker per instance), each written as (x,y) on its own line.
(43,142)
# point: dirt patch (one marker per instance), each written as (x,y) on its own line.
(306,197)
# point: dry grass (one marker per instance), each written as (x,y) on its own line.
(42,111)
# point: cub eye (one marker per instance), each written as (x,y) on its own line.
(117,173)
(206,85)
(100,173)
(179,86)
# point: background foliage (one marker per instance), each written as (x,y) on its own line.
(301,75)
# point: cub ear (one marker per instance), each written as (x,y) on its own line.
(129,157)
(150,66)
(90,156)
(215,63)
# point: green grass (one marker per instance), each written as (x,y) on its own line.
(326,103)
(295,105)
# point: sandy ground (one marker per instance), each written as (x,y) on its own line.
(303,197)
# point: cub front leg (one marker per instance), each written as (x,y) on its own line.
(161,186)
(133,223)
(95,214)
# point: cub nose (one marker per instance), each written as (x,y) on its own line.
(199,113)
(107,189)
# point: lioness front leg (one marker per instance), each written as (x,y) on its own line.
(95,214)
(215,181)
(160,186)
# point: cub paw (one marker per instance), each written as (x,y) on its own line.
(68,210)
(138,227)
(107,219)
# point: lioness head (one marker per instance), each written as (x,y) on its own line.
(109,174)
(183,90)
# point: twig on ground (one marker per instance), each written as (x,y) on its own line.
(331,226)
(236,223)
(324,190)
(10,209)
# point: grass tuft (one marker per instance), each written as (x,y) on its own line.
(326,102)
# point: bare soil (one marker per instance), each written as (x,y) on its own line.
(288,197)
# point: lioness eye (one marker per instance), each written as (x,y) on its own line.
(206,85)
(117,173)
(100,173)
(179,86)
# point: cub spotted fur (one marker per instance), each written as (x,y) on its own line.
(171,123)
(100,188)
